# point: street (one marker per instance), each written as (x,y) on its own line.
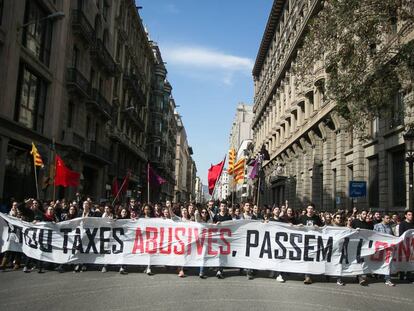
(93,290)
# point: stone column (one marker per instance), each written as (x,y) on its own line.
(359,169)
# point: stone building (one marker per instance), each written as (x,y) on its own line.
(185,168)
(77,78)
(241,126)
(162,130)
(313,156)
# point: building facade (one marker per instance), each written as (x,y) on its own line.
(241,135)
(79,83)
(241,128)
(162,130)
(313,154)
(199,197)
(185,168)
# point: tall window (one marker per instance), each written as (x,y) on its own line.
(398,178)
(30,99)
(75,57)
(37,36)
(373,186)
(397,111)
(1,10)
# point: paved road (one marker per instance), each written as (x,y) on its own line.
(93,290)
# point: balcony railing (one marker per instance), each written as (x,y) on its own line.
(100,53)
(133,82)
(99,151)
(74,140)
(81,26)
(99,102)
(77,82)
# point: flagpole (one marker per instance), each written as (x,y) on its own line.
(35,173)
(148,185)
(119,191)
(54,172)
(259,181)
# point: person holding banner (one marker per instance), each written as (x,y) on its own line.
(276,218)
(362,223)
(202,216)
(219,218)
(31,213)
(385,227)
(339,221)
(405,225)
(309,219)
(147,213)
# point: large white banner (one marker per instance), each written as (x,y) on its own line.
(242,244)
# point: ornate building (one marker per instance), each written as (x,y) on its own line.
(77,78)
(313,156)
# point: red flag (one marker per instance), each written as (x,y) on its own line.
(214,173)
(64,176)
(115,187)
(153,178)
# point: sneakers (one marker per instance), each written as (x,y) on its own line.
(26,269)
(219,275)
(389,283)
(181,274)
(202,275)
(148,271)
(280,279)
(339,282)
(104,270)
(272,274)
(362,281)
(307,280)
(77,269)
(83,268)
(122,271)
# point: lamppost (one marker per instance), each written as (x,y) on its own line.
(409,156)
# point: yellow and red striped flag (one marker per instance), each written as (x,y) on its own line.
(37,159)
(232,158)
(238,171)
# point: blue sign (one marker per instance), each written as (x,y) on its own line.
(357,189)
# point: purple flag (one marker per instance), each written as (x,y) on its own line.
(153,178)
(255,170)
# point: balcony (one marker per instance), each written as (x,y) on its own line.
(73,139)
(133,82)
(82,27)
(100,53)
(77,83)
(117,135)
(98,101)
(135,118)
(98,151)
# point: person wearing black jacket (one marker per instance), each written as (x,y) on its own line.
(221,216)
(310,219)
(406,225)
(362,223)
(30,212)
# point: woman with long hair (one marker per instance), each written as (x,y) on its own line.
(147,213)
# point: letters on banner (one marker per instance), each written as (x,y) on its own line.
(239,244)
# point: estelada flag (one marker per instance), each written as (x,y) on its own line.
(232,158)
(64,176)
(214,173)
(37,159)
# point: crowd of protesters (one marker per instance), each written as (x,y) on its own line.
(213,212)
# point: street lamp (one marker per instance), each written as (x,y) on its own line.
(409,156)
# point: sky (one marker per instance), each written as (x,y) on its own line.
(209,48)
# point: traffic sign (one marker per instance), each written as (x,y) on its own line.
(357,189)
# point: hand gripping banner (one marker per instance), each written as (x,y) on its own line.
(239,244)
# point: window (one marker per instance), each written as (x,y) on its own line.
(373,183)
(398,178)
(30,99)
(75,57)
(37,36)
(1,10)
(397,111)
(374,127)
